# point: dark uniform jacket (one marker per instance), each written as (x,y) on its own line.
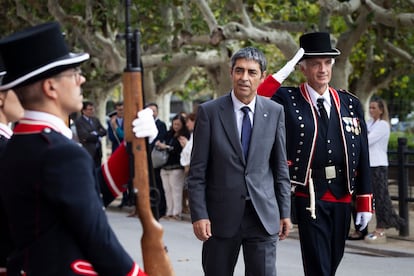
(5,241)
(301,118)
(54,200)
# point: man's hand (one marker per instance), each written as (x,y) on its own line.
(289,67)
(272,83)
(202,229)
(362,219)
(285,226)
(144,125)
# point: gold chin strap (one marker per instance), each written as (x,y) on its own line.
(311,207)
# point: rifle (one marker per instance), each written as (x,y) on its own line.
(156,260)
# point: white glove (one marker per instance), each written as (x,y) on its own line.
(289,67)
(362,219)
(144,125)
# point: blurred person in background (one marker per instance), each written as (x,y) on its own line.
(378,137)
(90,131)
(162,130)
(172,173)
(185,157)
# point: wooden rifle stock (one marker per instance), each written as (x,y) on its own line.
(156,260)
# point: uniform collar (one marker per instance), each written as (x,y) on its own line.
(315,95)
(48,120)
(5,131)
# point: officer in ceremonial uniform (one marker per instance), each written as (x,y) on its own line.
(327,153)
(53,196)
(10,112)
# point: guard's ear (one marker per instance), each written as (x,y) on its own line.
(2,98)
(49,88)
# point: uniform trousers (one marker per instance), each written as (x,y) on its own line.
(173,184)
(322,240)
(219,255)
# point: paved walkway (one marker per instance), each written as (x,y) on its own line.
(396,245)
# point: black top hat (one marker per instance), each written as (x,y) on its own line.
(317,44)
(2,70)
(36,53)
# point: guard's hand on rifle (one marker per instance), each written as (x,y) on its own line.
(144,125)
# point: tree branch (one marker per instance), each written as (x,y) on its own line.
(26,16)
(390,17)
(394,50)
(340,7)
(180,59)
(175,81)
(207,14)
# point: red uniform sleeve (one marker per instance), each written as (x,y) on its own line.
(364,203)
(268,87)
(116,171)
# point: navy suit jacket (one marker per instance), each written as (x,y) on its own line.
(220,177)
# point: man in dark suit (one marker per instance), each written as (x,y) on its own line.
(162,131)
(90,132)
(52,194)
(161,126)
(240,195)
(116,126)
(116,136)
(327,152)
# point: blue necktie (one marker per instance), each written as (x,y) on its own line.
(246,131)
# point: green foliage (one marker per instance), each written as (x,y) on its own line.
(162,24)
(393,141)
(399,96)
(393,144)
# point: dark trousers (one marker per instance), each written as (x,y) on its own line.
(162,206)
(322,240)
(219,256)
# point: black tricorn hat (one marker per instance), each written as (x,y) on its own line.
(36,53)
(317,44)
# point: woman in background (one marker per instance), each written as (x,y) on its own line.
(172,173)
(378,136)
(187,144)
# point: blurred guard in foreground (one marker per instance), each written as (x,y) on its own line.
(53,196)
(10,111)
